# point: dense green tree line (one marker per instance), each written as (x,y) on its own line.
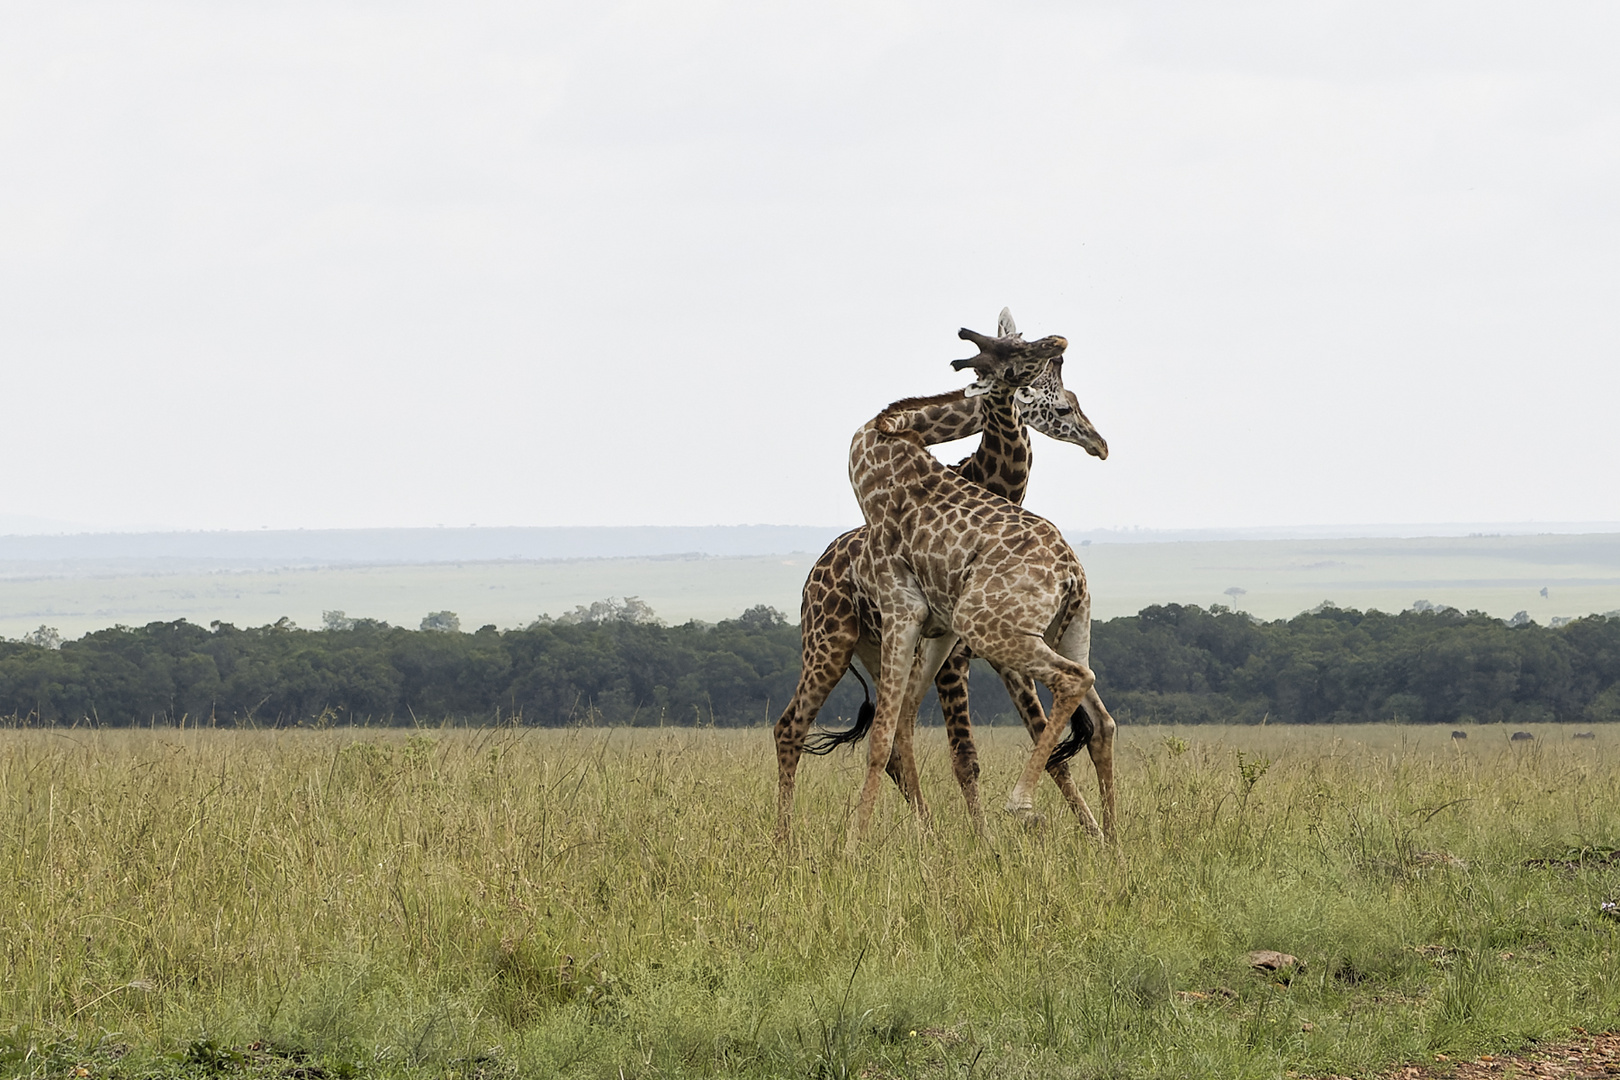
(612,670)
(1335,665)
(617,666)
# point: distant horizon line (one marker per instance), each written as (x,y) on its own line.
(421,545)
(1333,531)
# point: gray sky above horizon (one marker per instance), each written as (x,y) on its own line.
(355,264)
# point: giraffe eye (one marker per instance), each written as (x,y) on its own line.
(1064,410)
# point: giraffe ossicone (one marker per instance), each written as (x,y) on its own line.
(1005,327)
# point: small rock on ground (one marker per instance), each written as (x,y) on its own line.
(1271,960)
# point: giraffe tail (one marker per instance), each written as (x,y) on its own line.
(825,742)
(1081,729)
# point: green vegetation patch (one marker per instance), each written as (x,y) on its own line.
(614,663)
(522,902)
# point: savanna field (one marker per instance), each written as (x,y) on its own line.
(605,903)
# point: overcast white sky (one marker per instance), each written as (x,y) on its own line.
(358,264)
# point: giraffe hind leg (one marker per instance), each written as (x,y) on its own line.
(1075,643)
(1101,749)
(1002,643)
(952,685)
(1081,729)
(1021,689)
(825,662)
(825,742)
(1068,688)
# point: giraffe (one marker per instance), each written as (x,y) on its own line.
(838,622)
(946,560)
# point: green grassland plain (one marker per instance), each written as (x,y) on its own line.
(601,903)
(1501,575)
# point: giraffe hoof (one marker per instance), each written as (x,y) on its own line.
(1028,817)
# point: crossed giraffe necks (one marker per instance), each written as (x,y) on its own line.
(944,559)
(838,621)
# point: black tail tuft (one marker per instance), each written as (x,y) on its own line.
(825,742)
(1081,730)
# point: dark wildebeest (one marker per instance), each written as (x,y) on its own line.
(1459,734)
(1520,736)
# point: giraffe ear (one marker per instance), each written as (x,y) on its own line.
(1005,327)
(1024,394)
(976,389)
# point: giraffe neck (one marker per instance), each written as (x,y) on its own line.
(890,470)
(1001,464)
(938,419)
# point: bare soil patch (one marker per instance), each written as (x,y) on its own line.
(1585,1057)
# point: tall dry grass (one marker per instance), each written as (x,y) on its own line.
(595,902)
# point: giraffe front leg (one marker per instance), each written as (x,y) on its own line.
(902,763)
(931,653)
(900,634)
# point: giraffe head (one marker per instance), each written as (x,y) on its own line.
(1010,360)
(1044,403)
(1052,409)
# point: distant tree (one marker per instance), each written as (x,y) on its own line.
(629,609)
(442,622)
(762,617)
(1234,592)
(1521,618)
(336,620)
(46,637)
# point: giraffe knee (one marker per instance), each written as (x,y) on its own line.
(1105,729)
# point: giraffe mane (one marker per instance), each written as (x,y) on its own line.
(923,402)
